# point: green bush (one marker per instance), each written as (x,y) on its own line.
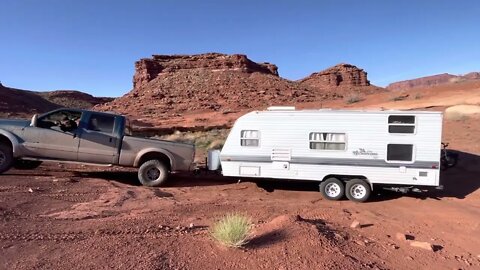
(233,230)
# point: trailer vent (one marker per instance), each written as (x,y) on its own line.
(281,155)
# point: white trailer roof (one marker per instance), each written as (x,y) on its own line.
(292,110)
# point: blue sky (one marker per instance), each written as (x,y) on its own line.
(92,45)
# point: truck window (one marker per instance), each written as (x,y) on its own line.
(249,138)
(101,123)
(400,152)
(327,141)
(128,127)
(63,118)
(401,124)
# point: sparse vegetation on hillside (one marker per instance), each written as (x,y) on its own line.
(400,97)
(233,230)
(203,140)
(354,98)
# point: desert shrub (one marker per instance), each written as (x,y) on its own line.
(399,98)
(354,98)
(203,140)
(418,96)
(233,230)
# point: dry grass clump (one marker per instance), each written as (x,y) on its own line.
(233,230)
(354,98)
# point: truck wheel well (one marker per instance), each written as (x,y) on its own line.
(156,156)
(5,141)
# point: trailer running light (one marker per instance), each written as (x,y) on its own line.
(434,166)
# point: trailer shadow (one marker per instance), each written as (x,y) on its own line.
(458,182)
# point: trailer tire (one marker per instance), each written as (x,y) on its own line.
(332,189)
(6,157)
(358,190)
(153,173)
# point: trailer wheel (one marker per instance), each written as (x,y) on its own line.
(358,190)
(153,173)
(332,189)
(6,158)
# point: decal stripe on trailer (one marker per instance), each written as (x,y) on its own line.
(338,162)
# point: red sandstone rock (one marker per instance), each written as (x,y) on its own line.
(166,88)
(337,76)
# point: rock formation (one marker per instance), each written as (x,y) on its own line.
(167,89)
(341,75)
(148,69)
(433,80)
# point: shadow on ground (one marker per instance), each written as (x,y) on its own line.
(458,182)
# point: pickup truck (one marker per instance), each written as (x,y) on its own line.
(90,137)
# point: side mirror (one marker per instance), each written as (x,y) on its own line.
(33,123)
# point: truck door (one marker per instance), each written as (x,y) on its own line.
(55,136)
(99,142)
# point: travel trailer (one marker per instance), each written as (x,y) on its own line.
(348,152)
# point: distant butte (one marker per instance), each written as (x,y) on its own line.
(166,87)
(434,80)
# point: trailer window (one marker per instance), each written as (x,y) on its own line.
(400,152)
(249,138)
(327,141)
(401,124)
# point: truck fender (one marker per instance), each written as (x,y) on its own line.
(154,150)
(12,139)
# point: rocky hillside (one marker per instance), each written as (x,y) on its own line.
(20,103)
(73,99)
(168,89)
(433,80)
(23,103)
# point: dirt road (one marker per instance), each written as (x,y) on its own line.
(75,217)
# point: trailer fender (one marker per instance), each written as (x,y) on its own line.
(364,179)
(346,178)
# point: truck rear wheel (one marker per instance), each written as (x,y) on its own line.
(332,189)
(358,190)
(153,173)
(6,158)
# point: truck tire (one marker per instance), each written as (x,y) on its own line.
(332,189)
(153,173)
(26,164)
(358,190)
(6,158)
